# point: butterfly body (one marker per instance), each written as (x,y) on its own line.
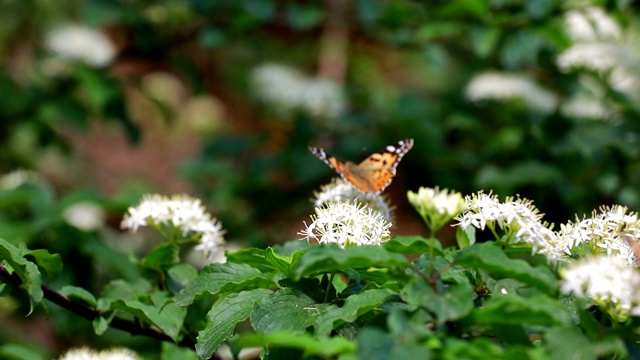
(374,173)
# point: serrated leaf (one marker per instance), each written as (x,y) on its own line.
(27,272)
(51,263)
(168,317)
(221,278)
(161,256)
(488,257)
(413,245)
(332,258)
(310,345)
(284,264)
(518,310)
(285,310)
(223,318)
(354,306)
(79,294)
(451,303)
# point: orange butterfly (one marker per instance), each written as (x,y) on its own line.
(374,173)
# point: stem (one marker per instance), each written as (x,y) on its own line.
(91,313)
(326,291)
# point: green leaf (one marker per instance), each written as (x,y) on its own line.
(223,318)
(376,344)
(571,343)
(332,258)
(311,345)
(178,276)
(162,256)
(488,257)
(79,294)
(168,317)
(284,264)
(253,257)
(173,351)
(451,303)
(354,306)
(465,237)
(221,278)
(518,310)
(304,16)
(101,323)
(412,245)
(51,263)
(27,272)
(285,310)
(122,290)
(484,41)
(19,352)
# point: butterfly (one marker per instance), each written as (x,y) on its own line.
(374,173)
(634,244)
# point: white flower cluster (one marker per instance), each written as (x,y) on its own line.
(590,24)
(90,354)
(609,281)
(286,90)
(16,178)
(182,213)
(603,232)
(437,207)
(81,43)
(347,224)
(340,190)
(85,215)
(504,87)
(599,46)
(519,218)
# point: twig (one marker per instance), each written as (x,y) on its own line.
(91,313)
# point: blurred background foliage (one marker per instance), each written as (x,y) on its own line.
(104,100)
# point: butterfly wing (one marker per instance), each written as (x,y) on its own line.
(373,174)
(380,168)
(348,171)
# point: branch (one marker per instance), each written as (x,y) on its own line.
(91,313)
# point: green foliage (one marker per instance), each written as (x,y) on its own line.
(495,309)
(406,68)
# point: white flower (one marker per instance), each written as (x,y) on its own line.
(590,24)
(183,213)
(85,215)
(595,56)
(340,190)
(286,90)
(609,281)
(347,224)
(16,178)
(602,233)
(322,97)
(584,107)
(437,207)
(90,354)
(278,85)
(81,43)
(519,218)
(503,87)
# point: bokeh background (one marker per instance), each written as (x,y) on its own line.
(102,101)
